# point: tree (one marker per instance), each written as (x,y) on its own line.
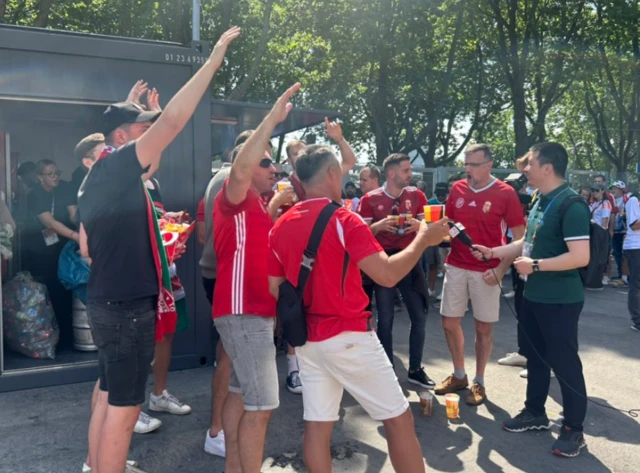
(535,38)
(612,82)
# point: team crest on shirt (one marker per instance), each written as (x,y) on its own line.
(459,203)
(486,208)
(380,207)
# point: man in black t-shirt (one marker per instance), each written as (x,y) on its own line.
(124,283)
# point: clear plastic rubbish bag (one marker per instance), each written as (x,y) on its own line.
(30,325)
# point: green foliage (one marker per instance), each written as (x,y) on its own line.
(414,76)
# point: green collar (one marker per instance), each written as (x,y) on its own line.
(551,195)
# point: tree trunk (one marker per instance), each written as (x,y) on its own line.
(44,8)
(3,10)
(241,90)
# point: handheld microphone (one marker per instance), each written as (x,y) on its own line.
(457,230)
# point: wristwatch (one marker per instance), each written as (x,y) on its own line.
(535,266)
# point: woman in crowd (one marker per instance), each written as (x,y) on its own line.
(50,215)
(585,193)
(601,207)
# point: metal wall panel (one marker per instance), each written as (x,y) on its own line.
(69,76)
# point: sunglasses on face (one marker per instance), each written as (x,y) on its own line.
(52,174)
(596,190)
(266,163)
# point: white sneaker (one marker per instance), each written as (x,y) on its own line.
(513,359)
(87,469)
(431,293)
(439,297)
(146,424)
(440,275)
(215,445)
(524,373)
(168,403)
(510,295)
(605,281)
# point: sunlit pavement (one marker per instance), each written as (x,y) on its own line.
(44,430)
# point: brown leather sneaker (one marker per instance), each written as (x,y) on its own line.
(477,395)
(451,385)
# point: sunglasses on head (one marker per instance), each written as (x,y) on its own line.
(266,163)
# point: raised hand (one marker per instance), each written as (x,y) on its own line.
(138,90)
(282,107)
(435,232)
(153,100)
(334,130)
(220,49)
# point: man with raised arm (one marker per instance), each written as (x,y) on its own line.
(243,309)
(342,350)
(119,232)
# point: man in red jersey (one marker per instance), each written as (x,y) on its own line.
(381,209)
(342,351)
(243,309)
(485,206)
(295,148)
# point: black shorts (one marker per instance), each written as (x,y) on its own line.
(124,333)
(209,286)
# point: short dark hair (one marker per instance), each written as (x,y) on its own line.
(314,158)
(394,160)
(226,155)
(43,163)
(453,178)
(374,172)
(84,147)
(485,148)
(242,137)
(236,152)
(600,175)
(554,154)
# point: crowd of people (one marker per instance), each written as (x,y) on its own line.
(263,237)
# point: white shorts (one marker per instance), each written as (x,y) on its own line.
(354,361)
(462,285)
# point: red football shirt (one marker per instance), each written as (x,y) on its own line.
(331,308)
(485,213)
(240,239)
(200,212)
(378,205)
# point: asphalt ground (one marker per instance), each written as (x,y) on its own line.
(45,430)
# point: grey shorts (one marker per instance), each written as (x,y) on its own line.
(248,340)
(432,255)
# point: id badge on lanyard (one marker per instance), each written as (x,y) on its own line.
(49,235)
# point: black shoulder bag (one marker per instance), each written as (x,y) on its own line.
(290,305)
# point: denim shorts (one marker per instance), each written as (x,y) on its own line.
(248,340)
(124,333)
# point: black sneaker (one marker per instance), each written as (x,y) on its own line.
(569,443)
(294,385)
(526,421)
(420,378)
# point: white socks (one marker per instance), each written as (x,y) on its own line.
(292,362)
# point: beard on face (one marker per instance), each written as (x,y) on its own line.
(350,193)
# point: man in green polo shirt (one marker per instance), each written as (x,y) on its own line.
(549,257)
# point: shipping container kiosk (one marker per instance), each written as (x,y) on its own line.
(54,87)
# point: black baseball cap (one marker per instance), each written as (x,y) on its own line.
(118,114)
(442,188)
